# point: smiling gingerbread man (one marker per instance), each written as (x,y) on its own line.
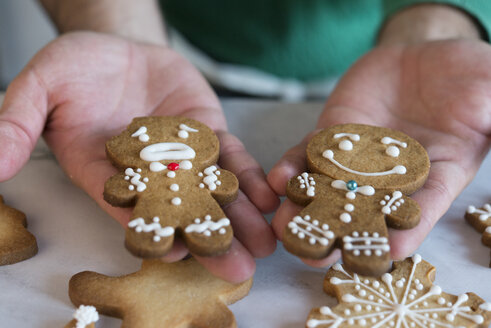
(361,176)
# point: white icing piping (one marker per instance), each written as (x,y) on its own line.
(352,136)
(364,190)
(141,133)
(384,307)
(167,151)
(85,315)
(485,214)
(211,178)
(389,140)
(389,207)
(159,231)
(184,129)
(306,181)
(304,227)
(135,180)
(207,226)
(488,230)
(398,169)
(366,243)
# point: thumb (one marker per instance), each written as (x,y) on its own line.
(22,118)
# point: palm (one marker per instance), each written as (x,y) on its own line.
(88,87)
(437,93)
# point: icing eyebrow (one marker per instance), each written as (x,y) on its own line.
(389,140)
(352,136)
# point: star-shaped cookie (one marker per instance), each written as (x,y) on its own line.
(404,298)
(181,294)
(480,219)
(16,243)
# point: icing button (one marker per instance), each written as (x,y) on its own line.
(351,185)
(173,166)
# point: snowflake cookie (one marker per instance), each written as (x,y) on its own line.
(404,298)
(180,294)
(85,317)
(168,173)
(359,184)
(16,243)
(480,219)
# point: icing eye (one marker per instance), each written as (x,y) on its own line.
(346,145)
(392,151)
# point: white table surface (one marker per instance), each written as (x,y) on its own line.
(74,235)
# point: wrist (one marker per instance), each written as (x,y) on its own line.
(428,22)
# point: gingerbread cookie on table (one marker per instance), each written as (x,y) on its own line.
(180,294)
(16,242)
(480,219)
(405,297)
(359,184)
(167,171)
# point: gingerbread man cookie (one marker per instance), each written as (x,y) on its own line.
(480,219)
(404,298)
(168,172)
(85,317)
(180,294)
(361,176)
(16,243)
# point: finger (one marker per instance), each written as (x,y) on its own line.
(252,180)
(283,215)
(177,253)
(442,187)
(327,261)
(236,266)
(250,227)
(22,118)
(291,163)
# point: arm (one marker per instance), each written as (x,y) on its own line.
(135,20)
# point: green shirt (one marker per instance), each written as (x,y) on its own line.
(307,40)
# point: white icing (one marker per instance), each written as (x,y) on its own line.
(392,151)
(207,226)
(388,309)
(135,180)
(142,135)
(349,207)
(486,306)
(315,232)
(167,151)
(488,230)
(484,214)
(186,165)
(183,131)
(345,217)
(388,208)
(389,140)
(210,178)
(346,145)
(366,244)
(398,169)
(174,187)
(171,174)
(307,182)
(157,167)
(352,136)
(85,315)
(364,190)
(176,201)
(155,227)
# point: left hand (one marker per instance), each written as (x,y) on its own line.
(438,93)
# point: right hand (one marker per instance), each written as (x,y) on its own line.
(83,88)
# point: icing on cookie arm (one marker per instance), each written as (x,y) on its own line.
(222,184)
(303,188)
(401,211)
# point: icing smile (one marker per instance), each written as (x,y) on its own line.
(399,169)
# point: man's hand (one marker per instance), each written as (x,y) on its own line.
(438,93)
(84,88)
